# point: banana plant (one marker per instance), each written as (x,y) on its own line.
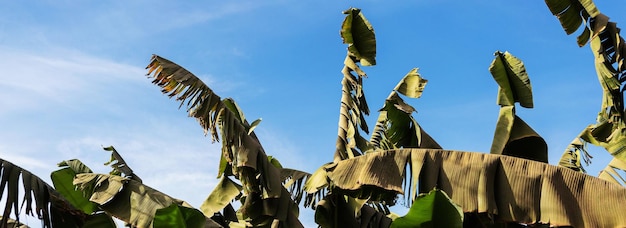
(506,186)
(609,51)
(266,201)
(50,206)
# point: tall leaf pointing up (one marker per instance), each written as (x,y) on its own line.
(513,80)
(358,33)
(513,136)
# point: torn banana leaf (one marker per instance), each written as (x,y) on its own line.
(358,33)
(516,190)
(241,149)
(125,199)
(610,172)
(514,84)
(396,127)
(50,206)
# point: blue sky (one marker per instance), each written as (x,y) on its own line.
(73,78)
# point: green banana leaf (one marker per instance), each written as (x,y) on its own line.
(512,135)
(571,14)
(396,127)
(50,206)
(180,216)
(241,149)
(514,83)
(124,198)
(62,180)
(120,167)
(357,32)
(432,209)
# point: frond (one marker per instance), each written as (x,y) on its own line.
(396,127)
(513,189)
(51,208)
(358,34)
(126,199)
(513,136)
(610,172)
(241,149)
(609,50)
(120,167)
(574,154)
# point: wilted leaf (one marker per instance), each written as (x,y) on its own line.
(527,191)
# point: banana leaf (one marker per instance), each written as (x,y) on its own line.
(432,209)
(509,188)
(241,149)
(124,198)
(51,207)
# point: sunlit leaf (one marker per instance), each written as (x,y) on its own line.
(412,84)
(62,180)
(572,12)
(51,208)
(126,199)
(241,149)
(610,172)
(179,216)
(527,191)
(514,84)
(224,192)
(357,32)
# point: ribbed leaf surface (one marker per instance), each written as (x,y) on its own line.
(514,189)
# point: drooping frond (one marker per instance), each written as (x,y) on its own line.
(573,13)
(51,208)
(294,181)
(358,34)
(241,149)
(127,199)
(512,135)
(609,50)
(510,188)
(396,127)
